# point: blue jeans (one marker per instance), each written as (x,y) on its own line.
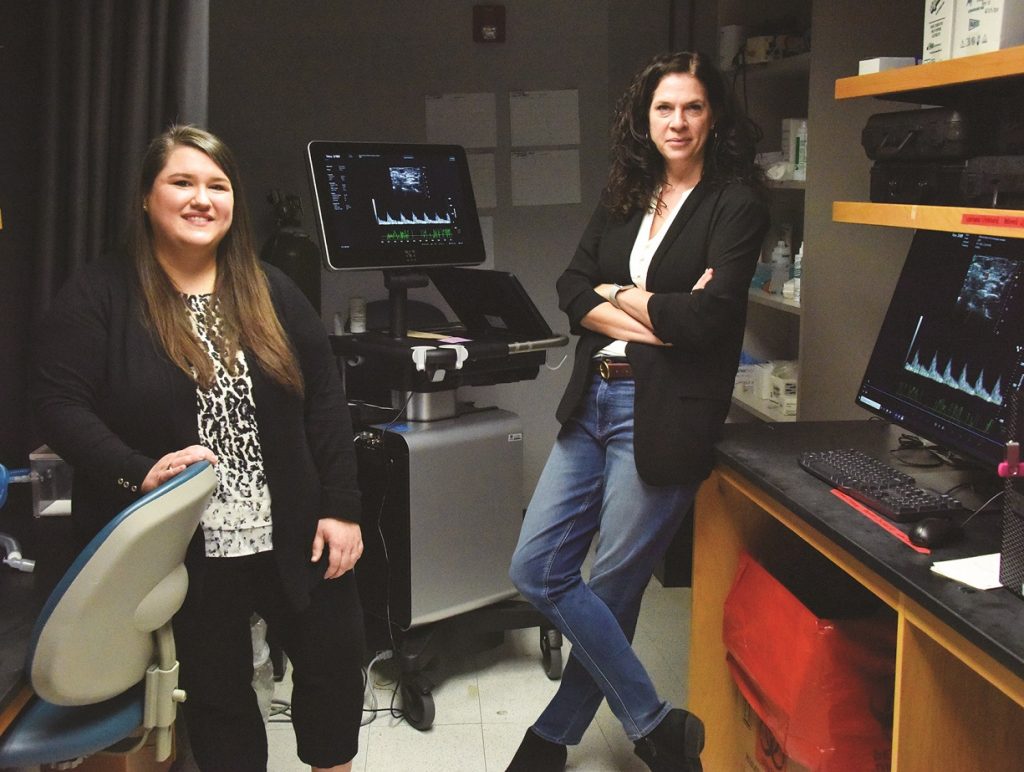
(590,486)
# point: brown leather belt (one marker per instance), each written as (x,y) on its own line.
(613,369)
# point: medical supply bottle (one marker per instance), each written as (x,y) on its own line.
(780,266)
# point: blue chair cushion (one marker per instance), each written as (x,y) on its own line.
(44,733)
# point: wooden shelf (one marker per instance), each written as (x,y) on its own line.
(915,84)
(780,302)
(996,222)
(760,408)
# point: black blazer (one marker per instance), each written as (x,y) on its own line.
(682,391)
(109,401)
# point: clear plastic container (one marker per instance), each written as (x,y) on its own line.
(262,667)
(51,483)
(781,265)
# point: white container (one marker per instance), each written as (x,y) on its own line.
(790,131)
(981,26)
(763,379)
(781,264)
(746,379)
(783,387)
(51,483)
(800,162)
(939,21)
(882,63)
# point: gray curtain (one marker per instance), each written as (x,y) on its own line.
(116,72)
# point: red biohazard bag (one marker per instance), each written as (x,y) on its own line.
(823,687)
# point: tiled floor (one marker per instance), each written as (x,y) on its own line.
(485,701)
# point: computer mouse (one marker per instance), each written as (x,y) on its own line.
(935,532)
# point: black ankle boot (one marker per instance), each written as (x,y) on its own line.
(536,754)
(674,745)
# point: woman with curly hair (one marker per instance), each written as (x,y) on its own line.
(657,292)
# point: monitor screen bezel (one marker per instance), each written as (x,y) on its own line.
(472,252)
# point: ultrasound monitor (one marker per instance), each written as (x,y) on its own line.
(394,206)
(950,351)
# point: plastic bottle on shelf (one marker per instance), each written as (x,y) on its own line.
(791,289)
(780,266)
(800,162)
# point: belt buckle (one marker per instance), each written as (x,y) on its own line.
(604,370)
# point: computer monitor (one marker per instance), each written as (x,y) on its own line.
(950,351)
(394,206)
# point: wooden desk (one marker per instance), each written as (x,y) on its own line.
(959,693)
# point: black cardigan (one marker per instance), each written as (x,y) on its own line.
(109,401)
(682,391)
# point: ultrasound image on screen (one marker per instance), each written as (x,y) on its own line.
(985,286)
(385,205)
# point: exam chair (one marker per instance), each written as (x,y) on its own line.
(101,660)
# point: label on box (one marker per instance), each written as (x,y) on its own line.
(939,21)
(981,26)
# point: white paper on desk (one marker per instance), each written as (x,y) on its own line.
(980,572)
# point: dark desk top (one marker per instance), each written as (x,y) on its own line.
(766,454)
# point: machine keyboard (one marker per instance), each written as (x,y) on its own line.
(877,485)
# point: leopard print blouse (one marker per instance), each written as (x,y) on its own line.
(237,519)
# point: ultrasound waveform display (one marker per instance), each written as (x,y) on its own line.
(430,234)
(961,382)
(414,218)
(947,408)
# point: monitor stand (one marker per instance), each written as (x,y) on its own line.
(398,284)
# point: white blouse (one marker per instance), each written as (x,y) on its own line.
(640,258)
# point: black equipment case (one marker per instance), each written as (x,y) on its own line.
(985,181)
(936,133)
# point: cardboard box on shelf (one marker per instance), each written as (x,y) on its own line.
(981,26)
(939,20)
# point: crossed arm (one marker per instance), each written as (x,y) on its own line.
(628,319)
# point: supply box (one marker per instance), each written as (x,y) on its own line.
(981,26)
(939,20)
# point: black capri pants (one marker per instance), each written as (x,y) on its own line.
(324,643)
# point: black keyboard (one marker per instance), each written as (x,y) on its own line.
(878,486)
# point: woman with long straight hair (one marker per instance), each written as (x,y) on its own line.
(182,347)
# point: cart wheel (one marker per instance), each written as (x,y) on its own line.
(551,650)
(417,702)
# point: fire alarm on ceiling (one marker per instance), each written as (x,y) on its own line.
(489,23)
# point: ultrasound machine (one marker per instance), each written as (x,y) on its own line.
(441,481)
